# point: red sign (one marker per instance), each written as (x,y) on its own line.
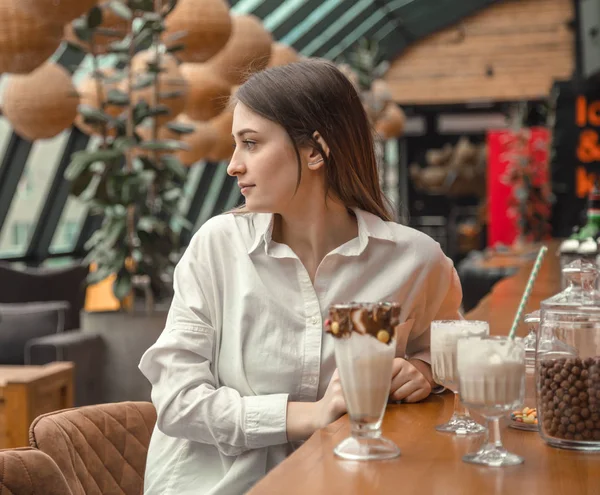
(517,172)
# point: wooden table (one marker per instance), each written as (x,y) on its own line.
(431,462)
(500,305)
(28,391)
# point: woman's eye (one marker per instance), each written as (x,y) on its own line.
(249,144)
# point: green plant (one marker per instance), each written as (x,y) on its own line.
(366,61)
(135,184)
(365,67)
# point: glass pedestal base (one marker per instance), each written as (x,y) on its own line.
(366,448)
(492,456)
(461,425)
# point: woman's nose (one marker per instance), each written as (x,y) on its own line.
(236,166)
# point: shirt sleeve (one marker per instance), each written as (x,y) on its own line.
(440,299)
(188,401)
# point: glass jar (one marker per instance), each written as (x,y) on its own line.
(568,362)
(526,418)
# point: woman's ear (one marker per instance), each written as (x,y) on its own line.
(316,159)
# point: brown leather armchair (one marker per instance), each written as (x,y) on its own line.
(29,472)
(101,449)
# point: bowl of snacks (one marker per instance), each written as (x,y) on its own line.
(524,419)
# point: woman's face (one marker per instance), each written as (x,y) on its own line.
(264,162)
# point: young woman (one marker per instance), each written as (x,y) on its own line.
(243,370)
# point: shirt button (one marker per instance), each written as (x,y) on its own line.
(314,320)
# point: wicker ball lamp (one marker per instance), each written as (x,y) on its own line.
(41,104)
(248,50)
(57,11)
(209,93)
(282,55)
(222,149)
(26,39)
(390,123)
(206,27)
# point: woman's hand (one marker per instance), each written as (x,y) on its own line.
(411,380)
(333,405)
(304,418)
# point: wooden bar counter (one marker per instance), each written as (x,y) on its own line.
(431,462)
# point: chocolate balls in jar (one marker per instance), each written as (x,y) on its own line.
(569,402)
(568,362)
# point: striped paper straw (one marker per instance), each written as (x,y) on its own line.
(532,277)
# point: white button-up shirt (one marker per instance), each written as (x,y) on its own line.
(245,335)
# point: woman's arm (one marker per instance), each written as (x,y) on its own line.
(189,405)
(441,296)
(179,366)
(304,418)
(301,420)
(441,293)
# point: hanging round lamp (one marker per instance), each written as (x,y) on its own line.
(57,11)
(282,55)
(223,147)
(248,50)
(42,104)
(209,93)
(205,27)
(26,40)
(391,122)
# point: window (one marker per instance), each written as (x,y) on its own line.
(65,237)
(26,185)
(5,128)
(20,233)
(26,206)
(189,188)
(72,218)
(5,134)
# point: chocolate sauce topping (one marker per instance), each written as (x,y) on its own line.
(376,319)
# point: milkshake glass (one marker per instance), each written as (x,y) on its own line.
(491,380)
(365,346)
(444,336)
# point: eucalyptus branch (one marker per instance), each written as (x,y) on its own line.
(158,59)
(131,209)
(156,95)
(130,114)
(99,87)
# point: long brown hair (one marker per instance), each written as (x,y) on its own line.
(313,95)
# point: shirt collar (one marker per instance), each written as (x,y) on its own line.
(369,226)
(263,228)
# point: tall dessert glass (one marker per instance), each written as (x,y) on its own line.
(444,336)
(365,346)
(491,380)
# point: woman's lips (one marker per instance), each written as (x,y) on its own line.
(245,188)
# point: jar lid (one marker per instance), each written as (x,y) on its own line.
(533,320)
(533,317)
(581,276)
